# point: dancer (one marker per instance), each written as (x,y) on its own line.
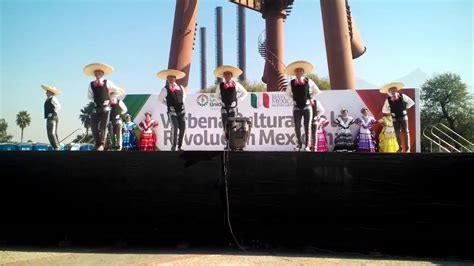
(343,141)
(51,108)
(322,145)
(228,93)
(98,93)
(365,140)
(174,96)
(148,136)
(397,105)
(317,111)
(129,140)
(118,108)
(301,90)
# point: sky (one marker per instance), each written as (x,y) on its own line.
(50,41)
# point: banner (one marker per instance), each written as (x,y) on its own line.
(271,115)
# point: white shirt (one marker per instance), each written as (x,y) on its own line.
(123,107)
(313,89)
(55,103)
(164,93)
(239,89)
(409,103)
(319,108)
(110,86)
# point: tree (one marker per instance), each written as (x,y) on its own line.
(4,137)
(254,86)
(23,120)
(210,89)
(322,83)
(85,116)
(445,99)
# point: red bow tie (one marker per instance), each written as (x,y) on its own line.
(394,97)
(229,85)
(174,88)
(300,82)
(98,83)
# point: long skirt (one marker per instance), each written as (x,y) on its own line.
(387,142)
(147,142)
(343,141)
(365,142)
(129,141)
(322,142)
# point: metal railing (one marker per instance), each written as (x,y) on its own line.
(270,57)
(79,129)
(438,135)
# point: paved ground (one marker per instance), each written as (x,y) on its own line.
(147,256)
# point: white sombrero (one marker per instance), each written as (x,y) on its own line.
(219,71)
(52,89)
(305,65)
(90,68)
(397,85)
(119,91)
(164,74)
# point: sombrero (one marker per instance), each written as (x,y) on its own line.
(90,68)
(305,65)
(219,71)
(51,89)
(170,72)
(119,91)
(397,85)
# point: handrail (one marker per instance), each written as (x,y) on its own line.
(79,129)
(450,138)
(273,60)
(455,133)
(442,140)
(433,141)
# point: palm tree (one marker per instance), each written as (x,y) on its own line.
(85,116)
(4,137)
(23,120)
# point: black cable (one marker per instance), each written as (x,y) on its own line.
(225,160)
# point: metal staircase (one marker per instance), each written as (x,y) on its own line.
(271,58)
(349,19)
(444,139)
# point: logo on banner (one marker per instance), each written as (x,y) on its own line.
(281,100)
(202,100)
(256,102)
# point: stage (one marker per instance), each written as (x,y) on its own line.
(416,204)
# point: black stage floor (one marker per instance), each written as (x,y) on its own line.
(416,204)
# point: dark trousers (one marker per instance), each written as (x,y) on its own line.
(178,122)
(52,130)
(99,122)
(227,113)
(298,115)
(314,141)
(402,124)
(115,131)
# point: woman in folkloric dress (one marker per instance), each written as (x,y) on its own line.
(321,133)
(365,140)
(343,141)
(317,111)
(148,136)
(129,140)
(387,138)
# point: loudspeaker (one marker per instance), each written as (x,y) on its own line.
(238,132)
